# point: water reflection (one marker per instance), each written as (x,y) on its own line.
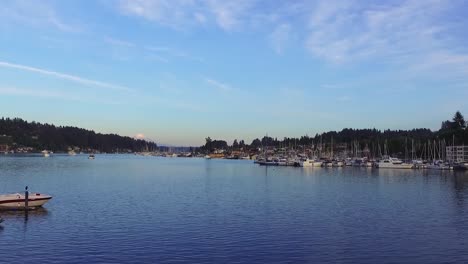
(460,180)
(26,214)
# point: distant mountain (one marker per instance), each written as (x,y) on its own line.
(61,138)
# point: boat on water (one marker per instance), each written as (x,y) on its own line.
(72,153)
(337,163)
(207,157)
(461,166)
(393,163)
(45,153)
(438,165)
(91,156)
(306,163)
(268,163)
(309,163)
(18,200)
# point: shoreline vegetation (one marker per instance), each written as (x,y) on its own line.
(18,135)
(372,143)
(419,143)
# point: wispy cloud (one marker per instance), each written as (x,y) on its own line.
(173,52)
(35,14)
(172,13)
(118,42)
(344,98)
(180,14)
(64,76)
(280,36)
(346,31)
(229,14)
(49,94)
(218,85)
(329,86)
(158,53)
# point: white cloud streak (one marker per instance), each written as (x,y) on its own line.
(64,76)
(218,85)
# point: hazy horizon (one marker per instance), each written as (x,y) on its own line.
(178,71)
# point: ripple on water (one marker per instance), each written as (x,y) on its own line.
(134,209)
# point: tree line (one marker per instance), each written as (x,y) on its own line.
(452,131)
(61,138)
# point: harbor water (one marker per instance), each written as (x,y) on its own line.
(135,209)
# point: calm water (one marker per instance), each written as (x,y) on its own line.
(118,208)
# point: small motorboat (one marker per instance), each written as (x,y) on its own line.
(18,201)
(91,156)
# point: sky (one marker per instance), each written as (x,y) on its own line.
(178,71)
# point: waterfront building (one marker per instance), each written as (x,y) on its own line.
(457,154)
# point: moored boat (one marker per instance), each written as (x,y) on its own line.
(91,156)
(18,200)
(393,163)
(460,166)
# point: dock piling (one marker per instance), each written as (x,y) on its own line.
(26,198)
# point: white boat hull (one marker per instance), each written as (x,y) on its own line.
(382,165)
(17,201)
(317,164)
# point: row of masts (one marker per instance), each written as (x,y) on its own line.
(431,150)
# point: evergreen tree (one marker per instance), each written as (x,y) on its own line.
(458,120)
(235,144)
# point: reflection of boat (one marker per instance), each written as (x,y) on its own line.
(17,200)
(91,156)
(15,213)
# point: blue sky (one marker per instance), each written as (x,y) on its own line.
(177,71)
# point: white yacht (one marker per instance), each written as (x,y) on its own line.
(393,163)
(310,163)
(307,163)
